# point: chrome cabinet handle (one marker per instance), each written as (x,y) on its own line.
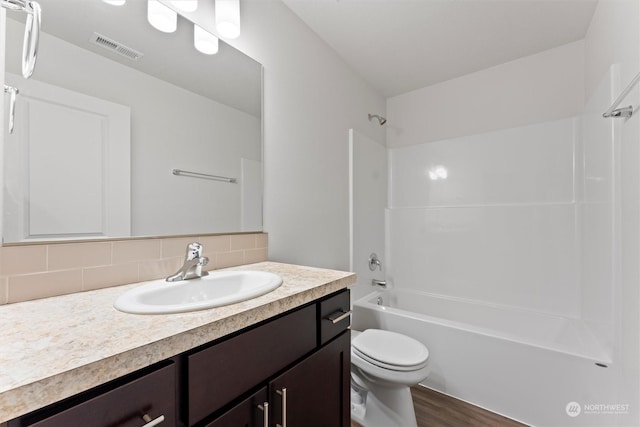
(12,91)
(149,422)
(283,393)
(31,38)
(338,316)
(265,409)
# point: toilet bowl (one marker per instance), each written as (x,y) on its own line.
(384,365)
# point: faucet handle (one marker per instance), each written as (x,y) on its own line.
(374,262)
(194,250)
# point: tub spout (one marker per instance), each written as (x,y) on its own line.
(377,282)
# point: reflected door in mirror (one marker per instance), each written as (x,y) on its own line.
(69,166)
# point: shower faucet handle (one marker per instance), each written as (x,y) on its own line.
(374,262)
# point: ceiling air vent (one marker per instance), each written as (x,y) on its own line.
(115,47)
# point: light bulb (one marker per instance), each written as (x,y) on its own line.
(161,17)
(185,5)
(228,18)
(115,2)
(204,41)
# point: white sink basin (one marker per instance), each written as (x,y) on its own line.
(217,289)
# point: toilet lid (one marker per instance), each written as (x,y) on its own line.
(390,350)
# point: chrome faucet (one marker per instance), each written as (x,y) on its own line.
(193,263)
(374,262)
(379,282)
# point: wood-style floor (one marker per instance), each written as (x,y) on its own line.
(434,409)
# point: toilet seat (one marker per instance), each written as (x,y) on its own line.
(390,350)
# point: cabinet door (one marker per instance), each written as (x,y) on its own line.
(252,412)
(315,392)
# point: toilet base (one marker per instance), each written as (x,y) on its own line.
(384,407)
(357,410)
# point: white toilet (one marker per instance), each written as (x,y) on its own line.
(384,365)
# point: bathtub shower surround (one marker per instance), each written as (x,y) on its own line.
(501,227)
(368,198)
(503,248)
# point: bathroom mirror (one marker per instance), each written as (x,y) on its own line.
(113,108)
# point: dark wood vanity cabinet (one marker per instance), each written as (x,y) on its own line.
(220,373)
(289,371)
(312,393)
(302,358)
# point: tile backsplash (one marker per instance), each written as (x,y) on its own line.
(45,270)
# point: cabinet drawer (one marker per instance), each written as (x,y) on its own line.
(220,373)
(331,310)
(153,396)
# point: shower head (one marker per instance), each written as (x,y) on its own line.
(381,119)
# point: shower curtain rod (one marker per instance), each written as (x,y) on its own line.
(614,111)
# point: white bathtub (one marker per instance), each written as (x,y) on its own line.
(523,364)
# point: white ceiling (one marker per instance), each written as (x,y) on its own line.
(402,45)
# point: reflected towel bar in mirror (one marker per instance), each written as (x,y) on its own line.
(204,175)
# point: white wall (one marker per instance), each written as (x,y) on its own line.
(3,112)
(202,135)
(533,89)
(311,100)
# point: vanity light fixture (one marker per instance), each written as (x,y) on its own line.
(227,15)
(228,18)
(161,17)
(115,2)
(204,41)
(185,5)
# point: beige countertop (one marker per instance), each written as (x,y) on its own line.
(54,348)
